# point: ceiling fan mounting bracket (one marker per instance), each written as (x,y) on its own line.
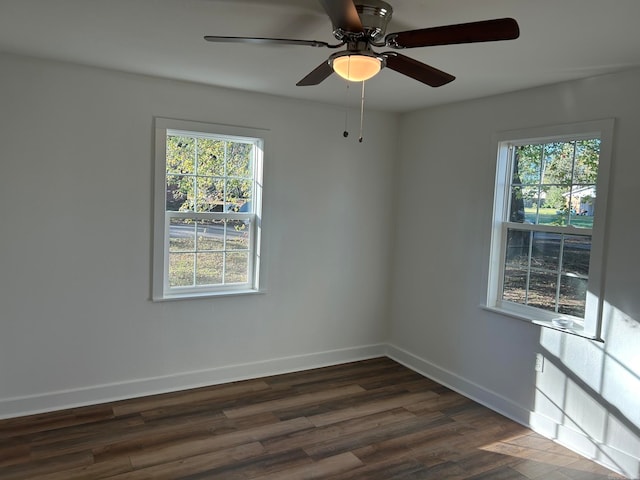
(374,16)
(391,40)
(359,45)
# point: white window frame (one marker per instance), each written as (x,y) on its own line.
(590,325)
(161,290)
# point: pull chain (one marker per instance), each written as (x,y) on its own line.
(361,113)
(345,134)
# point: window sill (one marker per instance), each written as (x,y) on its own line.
(202,295)
(574,329)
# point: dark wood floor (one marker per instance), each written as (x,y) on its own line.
(370,420)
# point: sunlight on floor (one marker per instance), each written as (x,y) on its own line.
(545,461)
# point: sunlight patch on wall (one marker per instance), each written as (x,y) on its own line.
(586,396)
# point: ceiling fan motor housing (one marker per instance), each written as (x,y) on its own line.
(374,16)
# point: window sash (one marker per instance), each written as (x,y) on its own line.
(559,230)
(250,284)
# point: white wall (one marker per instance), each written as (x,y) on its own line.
(587,396)
(77,325)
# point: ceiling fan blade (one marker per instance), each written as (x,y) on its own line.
(269,41)
(320,73)
(417,70)
(484,31)
(343,14)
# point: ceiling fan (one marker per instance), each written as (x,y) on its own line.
(362,24)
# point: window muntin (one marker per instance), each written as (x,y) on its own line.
(547,241)
(209,208)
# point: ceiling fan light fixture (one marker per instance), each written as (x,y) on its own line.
(356,67)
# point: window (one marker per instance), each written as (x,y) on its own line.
(548,226)
(208,204)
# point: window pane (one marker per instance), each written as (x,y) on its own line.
(210,235)
(180,154)
(517,251)
(210,268)
(542,291)
(553,203)
(573,295)
(238,194)
(211,156)
(545,252)
(576,254)
(179,193)
(516,266)
(182,235)
(210,194)
(529,205)
(558,163)
(237,267)
(238,235)
(526,166)
(531,200)
(239,160)
(583,201)
(517,204)
(515,285)
(585,169)
(181,269)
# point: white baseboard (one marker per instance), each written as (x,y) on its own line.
(93,395)
(605,455)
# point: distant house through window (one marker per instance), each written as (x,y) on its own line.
(207,209)
(549,218)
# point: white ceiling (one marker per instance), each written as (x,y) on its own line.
(560,40)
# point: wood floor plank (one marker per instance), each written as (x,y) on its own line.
(293,401)
(368,408)
(188,448)
(331,433)
(371,436)
(37,468)
(45,422)
(324,468)
(94,471)
(137,434)
(69,433)
(336,375)
(500,473)
(196,396)
(193,464)
(367,420)
(12,452)
(403,467)
(263,464)
(534,470)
